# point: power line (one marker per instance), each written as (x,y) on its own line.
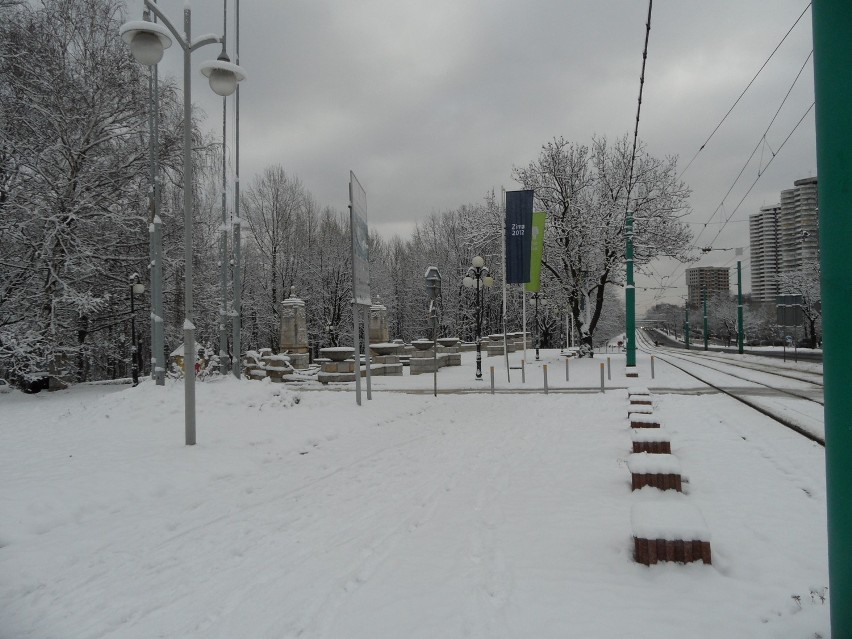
(639,105)
(725,117)
(762,139)
(760,171)
(759,175)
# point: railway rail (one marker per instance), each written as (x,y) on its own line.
(794,408)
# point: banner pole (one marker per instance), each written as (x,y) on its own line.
(525,321)
(505,345)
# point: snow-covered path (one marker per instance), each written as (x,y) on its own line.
(461,516)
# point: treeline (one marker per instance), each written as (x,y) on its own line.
(74,220)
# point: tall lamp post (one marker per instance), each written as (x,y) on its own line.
(478,275)
(538,297)
(147,41)
(136,288)
(433,289)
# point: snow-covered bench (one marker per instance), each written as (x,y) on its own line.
(639,397)
(642,420)
(669,530)
(651,440)
(659,471)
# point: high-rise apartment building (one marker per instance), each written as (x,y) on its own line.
(712,278)
(799,224)
(783,237)
(765,253)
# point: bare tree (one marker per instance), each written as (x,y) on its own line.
(585,192)
(72,155)
(805,282)
(274,206)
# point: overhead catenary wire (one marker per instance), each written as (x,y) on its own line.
(761,170)
(759,175)
(639,105)
(725,117)
(762,139)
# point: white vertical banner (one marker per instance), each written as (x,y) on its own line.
(361,299)
(360,242)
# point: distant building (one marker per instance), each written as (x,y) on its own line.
(799,224)
(783,237)
(712,278)
(765,253)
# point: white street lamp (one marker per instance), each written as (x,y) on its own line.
(223,74)
(147,41)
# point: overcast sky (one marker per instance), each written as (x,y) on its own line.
(433,102)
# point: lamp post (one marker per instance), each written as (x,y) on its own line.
(136,288)
(536,298)
(331,334)
(478,275)
(147,41)
(433,289)
(155,231)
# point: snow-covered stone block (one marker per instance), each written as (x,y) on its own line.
(651,440)
(640,399)
(642,420)
(637,390)
(641,409)
(669,530)
(659,471)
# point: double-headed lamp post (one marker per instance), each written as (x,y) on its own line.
(136,288)
(147,41)
(538,298)
(478,275)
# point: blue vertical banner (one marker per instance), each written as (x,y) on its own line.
(519,210)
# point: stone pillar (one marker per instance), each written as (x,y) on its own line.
(294,330)
(378,324)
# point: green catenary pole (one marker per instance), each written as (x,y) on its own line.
(739,307)
(630,296)
(832,27)
(704,297)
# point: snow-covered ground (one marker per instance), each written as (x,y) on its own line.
(299,514)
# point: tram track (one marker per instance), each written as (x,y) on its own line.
(768,411)
(787,391)
(812,377)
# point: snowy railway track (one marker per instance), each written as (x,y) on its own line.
(808,377)
(800,421)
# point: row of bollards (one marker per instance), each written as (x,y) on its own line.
(605,374)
